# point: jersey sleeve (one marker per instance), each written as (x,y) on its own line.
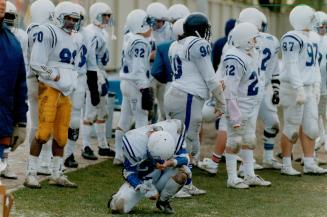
(199,52)
(140,51)
(91,59)
(43,45)
(274,66)
(291,46)
(234,70)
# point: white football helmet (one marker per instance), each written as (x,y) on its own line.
(209,111)
(243,36)
(321,22)
(254,16)
(64,9)
(97,10)
(137,21)
(161,145)
(157,12)
(177,11)
(42,11)
(302,17)
(178,29)
(10,14)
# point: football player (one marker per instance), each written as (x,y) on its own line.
(194,80)
(96,97)
(135,84)
(41,13)
(52,59)
(268,46)
(298,97)
(155,166)
(243,97)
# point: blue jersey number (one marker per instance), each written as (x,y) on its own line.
(66,56)
(252,89)
(288,46)
(177,67)
(83,56)
(205,50)
(267,55)
(230,70)
(139,52)
(312,51)
(38,36)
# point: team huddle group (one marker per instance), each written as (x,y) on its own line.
(167,55)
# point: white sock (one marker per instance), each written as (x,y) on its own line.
(100,130)
(57,166)
(268,155)
(46,154)
(287,162)
(248,165)
(32,165)
(119,144)
(70,148)
(86,135)
(231,166)
(308,161)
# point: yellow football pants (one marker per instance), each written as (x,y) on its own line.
(54,115)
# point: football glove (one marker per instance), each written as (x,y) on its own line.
(147,98)
(18,136)
(105,88)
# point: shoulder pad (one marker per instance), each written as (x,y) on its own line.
(49,33)
(198,48)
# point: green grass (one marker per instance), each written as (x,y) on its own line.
(288,196)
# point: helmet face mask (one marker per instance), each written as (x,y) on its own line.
(156,24)
(70,24)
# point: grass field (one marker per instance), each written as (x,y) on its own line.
(288,196)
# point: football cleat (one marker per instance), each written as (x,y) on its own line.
(106,152)
(31,181)
(70,162)
(256,181)
(314,169)
(209,166)
(271,164)
(182,194)
(88,154)
(61,181)
(289,171)
(8,173)
(237,183)
(192,190)
(165,207)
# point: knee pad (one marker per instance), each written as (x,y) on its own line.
(73,134)
(234,141)
(271,132)
(292,133)
(312,132)
(43,135)
(180,177)
(250,140)
(75,119)
(117,205)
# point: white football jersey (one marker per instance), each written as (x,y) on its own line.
(99,38)
(190,60)
(22,37)
(135,60)
(242,77)
(269,48)
(135,141)
(299,58)
(54,48)
(165,33)
(87,50)
(323,64)
(315,38)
